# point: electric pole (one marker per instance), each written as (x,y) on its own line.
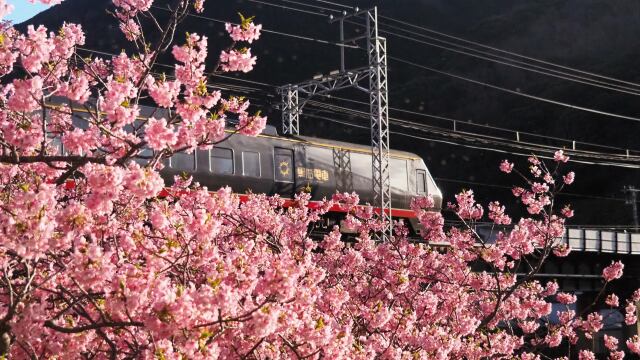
(632,199)
(295,96)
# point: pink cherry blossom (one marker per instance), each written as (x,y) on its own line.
(567,211)
(586,355)
(630,316)
(634,344)
(103,259)
(249,32)
(159,135)
(251,125)
(506,166)
(613,271)
(610,342)
(5,9)
(559,156)
(569,178)
(612,300)
(237,60)
(565,298)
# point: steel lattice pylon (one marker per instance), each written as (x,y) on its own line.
(294,98)
(290,110)
(379,112)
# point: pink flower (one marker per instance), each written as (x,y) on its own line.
(130,29)
(251,125)
(163,93)
(539,188)
(586,355)
(35,49)
(26,94)
(612,300)
(610,342)
(198,5)
(158,135)
(245,32)
(567,211)
(634,344)
(506,166)
(593,323)
(533,160)
(80,141)
(559,156)
(535,170)
(566,298)
(496,213)
(562,250)
(5,9)
(466,206)
(613,271)
(569,178)
(237,60)
(517,191)
(630,316)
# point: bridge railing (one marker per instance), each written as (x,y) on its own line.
(603,240)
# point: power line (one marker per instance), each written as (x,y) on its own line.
(481,137)
(485,148)
(508,62)
(508,52)
(268,31)
(519,93)
(321,8)
(288,8)
(457,122)
(446,132)
(333,3)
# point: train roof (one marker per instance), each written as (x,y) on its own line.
(351,146)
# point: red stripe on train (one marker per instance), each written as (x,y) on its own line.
(400,213)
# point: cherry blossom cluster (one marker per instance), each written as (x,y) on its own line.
(100,258)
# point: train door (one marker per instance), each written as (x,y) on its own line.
(284,172)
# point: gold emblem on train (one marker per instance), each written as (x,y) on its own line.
(284,168)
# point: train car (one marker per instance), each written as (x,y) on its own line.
(286,165)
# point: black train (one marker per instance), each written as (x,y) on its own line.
(273,164)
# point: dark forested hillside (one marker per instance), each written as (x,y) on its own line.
(599,36)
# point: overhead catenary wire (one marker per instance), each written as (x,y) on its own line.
(533,97)
(515,63)
(448,119)
(576,107)
(320,8)
(514,92)
(484,148)
(288,8)
(479,137)
(509,61)
(491,127)
(333,4)
(268,31)
(508,52)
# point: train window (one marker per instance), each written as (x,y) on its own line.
(251,164)
(183,161)
(421,181)
(283,163)
(222,160)
(56,145)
